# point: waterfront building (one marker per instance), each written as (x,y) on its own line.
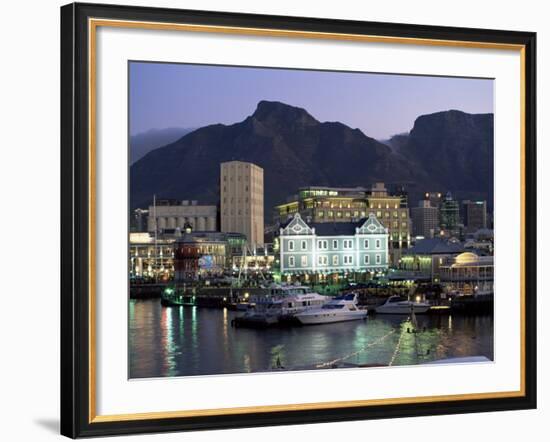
(468,273)
(153,257)
(449,216)
(425,219)
(150,260)
(242,200)
(172,214)
(426,257)
(475,215)
(347,205)
(328,250)
(199,255)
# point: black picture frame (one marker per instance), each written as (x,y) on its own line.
(75,221)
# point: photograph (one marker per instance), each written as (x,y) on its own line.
(286,219)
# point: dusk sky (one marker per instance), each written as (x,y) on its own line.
(190,96)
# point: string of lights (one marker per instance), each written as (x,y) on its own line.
(355,353)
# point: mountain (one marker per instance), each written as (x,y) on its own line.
(144,142)
(292,147)
(295,150)
(455,149)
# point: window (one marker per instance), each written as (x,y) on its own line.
(378,258)
(323,260)
(367,259)
(334,243)
(304,261)
(366,244)
(335,260)
(322,244)
(291,245)
(320,213)
(304,245)
(348,244)
(348,259)
(378,243)
(291,261)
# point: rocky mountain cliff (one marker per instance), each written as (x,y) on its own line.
(444,151)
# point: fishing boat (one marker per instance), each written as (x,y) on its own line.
(338,309)
(396,305)
(280,304)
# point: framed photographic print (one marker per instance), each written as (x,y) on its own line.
(279,220)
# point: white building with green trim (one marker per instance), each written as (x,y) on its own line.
(332,248)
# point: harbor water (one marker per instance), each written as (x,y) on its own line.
(184,341)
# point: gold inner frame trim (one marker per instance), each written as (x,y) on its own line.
(93,24)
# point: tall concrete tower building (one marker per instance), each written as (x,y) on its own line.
(242,200)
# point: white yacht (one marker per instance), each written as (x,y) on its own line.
(395,305)
(340,308)
(280,304)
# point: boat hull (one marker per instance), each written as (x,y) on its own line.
(401,310)
(328,318)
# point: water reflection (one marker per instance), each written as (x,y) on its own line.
(181,341)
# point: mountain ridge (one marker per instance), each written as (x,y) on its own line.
(307,152)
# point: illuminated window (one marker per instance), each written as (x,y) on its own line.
(335,260)
(323,260)
(304,261)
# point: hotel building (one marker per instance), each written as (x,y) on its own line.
(307,248)
(242,200)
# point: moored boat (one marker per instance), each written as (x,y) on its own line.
(395,305)
(280,304)
(338,309)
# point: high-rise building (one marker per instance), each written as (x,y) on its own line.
(475,215)
(449,215)
(425,219)
(242,200)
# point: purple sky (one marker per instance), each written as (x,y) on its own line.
(178,95)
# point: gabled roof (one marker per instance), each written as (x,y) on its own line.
(434,246)
(369,225)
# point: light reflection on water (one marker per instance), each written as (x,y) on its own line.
(180,341)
